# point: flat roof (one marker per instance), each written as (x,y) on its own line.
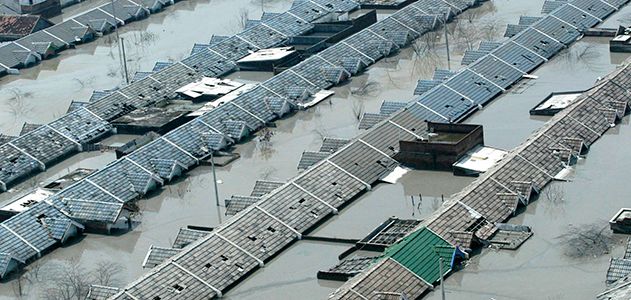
(268,54)
(24,202)
(558,100)
(150,116)
(222,100)
(209,86)
(480,159)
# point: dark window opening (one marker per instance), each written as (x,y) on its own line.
(178,288)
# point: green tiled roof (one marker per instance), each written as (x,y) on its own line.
(420,253)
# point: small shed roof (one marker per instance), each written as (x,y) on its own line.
(28,127)
(618,268)
(263,187)
(186,236)
(157,255)
(99,292)
(420,253)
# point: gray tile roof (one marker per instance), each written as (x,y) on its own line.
(264,187)
(28,127)
(369,120)
(99,292)
(389,232)
(475,87)
(310,158)
(400,281)
(157,255)
(618,268)
(186,236)
(424,85)
(513,29)
(528,20)
(331,144)
(470,56)
(237,203)
(550,5)
(5,138)
(390,107)
(26,235)
(160,65)
(350,267)
(442,75)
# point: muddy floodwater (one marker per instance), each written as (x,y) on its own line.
(538,270)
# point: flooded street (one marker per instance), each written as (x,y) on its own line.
(538,270)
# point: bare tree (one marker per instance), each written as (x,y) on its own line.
(264,143)
(581,54)
(425,57)
(358,109)
(107,273)
(19,108)
(242,18)
(368,88)
(586,241)
(67,280)
(554,194)
(112,71)
(268,173)
(321,133)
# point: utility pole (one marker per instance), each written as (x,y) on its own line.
(212,164)
(124,60)
(118,45)
(442,284)
(447,39)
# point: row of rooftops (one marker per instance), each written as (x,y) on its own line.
(41,44)
(102,196)
(90,122)
(346,161)
(269,225)
(350,171)
(495,66)
(169,156)
(493,198)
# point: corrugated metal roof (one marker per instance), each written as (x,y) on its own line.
(420,253)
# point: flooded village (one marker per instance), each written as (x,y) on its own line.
(318,149)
